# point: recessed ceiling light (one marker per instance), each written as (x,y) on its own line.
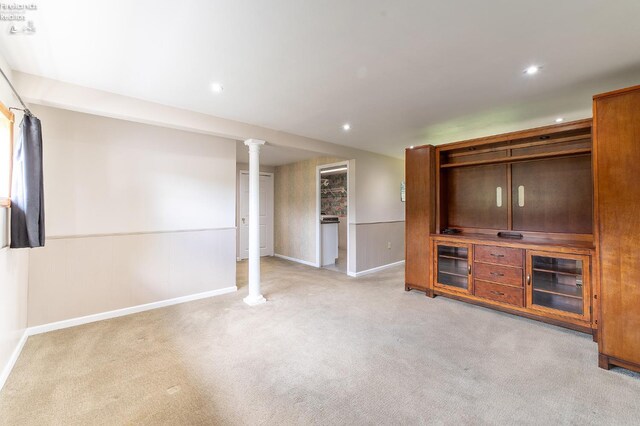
(533,69)
(559,120)
(217,87)
(346,127)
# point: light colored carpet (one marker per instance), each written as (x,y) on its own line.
(325,349)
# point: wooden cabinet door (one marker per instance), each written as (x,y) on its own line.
(419,215)
(555,195)
(452,266)
(616,165)
(559,284)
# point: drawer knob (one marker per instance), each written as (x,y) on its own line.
(497,293)
(496,274)
(497,255)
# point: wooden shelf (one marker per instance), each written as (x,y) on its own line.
(453,273)
(521,158)
(447,256)
(569,305)
(557,293)
(551,271)
(552,287)
(551,130)
(545,142)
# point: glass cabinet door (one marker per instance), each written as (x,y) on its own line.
(558,283)
(453,267)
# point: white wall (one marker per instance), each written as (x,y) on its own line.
(13,275)
(106,176)
(134,214)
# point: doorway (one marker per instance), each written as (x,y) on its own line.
(333,216)
(266,214)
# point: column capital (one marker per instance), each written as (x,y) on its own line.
(254,142)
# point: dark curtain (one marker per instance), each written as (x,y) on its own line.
(27,194)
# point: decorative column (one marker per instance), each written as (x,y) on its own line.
(254,297)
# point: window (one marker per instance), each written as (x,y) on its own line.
(6,162)
(6,154)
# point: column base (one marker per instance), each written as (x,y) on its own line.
(254,300)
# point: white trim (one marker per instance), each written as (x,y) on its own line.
(124,234)
(6,371)
(376,269)
(38,329)
(350,209)
(293,259)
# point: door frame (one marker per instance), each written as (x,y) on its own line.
(270,250)
(349,164)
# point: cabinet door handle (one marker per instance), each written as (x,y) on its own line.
(469,269)
(497,255)
(496,274)
(497,293)
(521,196)
(528,279)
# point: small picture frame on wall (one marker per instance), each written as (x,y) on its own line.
(403,192)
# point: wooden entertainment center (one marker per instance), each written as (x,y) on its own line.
(536,223)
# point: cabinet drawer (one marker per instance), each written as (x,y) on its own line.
(498,274)
(499,255)
(499,293)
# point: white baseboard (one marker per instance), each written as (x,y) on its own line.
(12,360)
(38,329)
(293,259)
(376,269)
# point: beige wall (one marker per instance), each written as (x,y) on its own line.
(13,302)
(378,180)
(75,277)
(13,273)
(379,212)
(134,214)
(375,205)
(107,176)
(377,198)
(295,208)
(373,240)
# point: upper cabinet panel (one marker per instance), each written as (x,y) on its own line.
(477,197)
(536,181)
(555,195)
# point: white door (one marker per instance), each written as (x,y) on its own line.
(266,215)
